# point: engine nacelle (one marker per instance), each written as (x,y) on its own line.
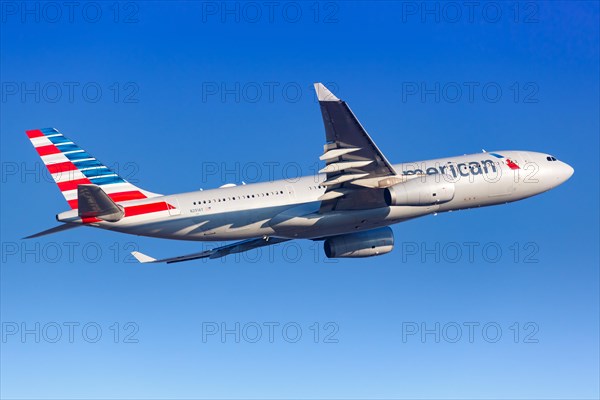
(360,244)
(420,192)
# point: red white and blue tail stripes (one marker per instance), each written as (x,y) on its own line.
(71,166)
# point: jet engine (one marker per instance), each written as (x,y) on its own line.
(426,191)
(360,244)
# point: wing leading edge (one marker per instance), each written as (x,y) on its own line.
(237,247)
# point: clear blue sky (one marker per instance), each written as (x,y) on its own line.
(197,94)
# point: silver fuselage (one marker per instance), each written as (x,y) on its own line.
(290,208)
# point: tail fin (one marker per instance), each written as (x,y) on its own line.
(71,166)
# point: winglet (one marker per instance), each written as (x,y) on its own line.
(323,94)
(141,257)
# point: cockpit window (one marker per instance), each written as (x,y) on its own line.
(550,158)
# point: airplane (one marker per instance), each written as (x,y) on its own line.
(349,204)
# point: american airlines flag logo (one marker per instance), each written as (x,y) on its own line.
(511,164)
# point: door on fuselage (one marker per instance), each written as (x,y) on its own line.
(502,183)
(173,206)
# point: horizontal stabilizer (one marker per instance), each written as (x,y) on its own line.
(95,203)
(58,228)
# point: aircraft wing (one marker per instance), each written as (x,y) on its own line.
(356,170)
(237,247)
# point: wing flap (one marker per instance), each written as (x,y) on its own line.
(335,153)
(341,166)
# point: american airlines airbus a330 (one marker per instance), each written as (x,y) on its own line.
(349,205)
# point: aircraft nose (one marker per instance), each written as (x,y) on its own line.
(565,171)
